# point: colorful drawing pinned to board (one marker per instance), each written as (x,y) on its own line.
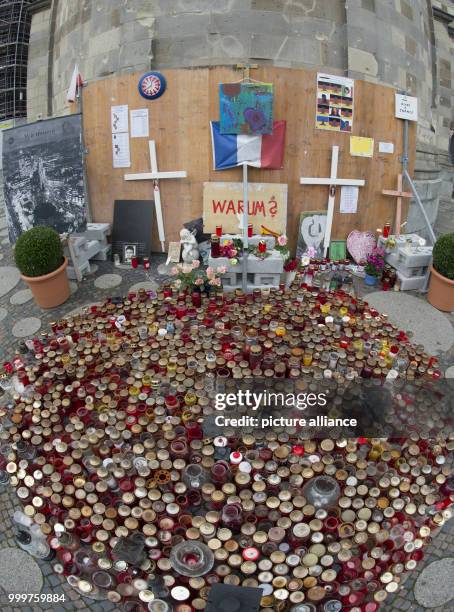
(361,147)
(311,233)
(334,103)
(246,108)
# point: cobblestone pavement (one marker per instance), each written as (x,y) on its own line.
(19,316)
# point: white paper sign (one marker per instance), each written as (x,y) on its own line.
(139,123)
(386,147)
(349,199)
(119,119)
(406,107)
(120,150)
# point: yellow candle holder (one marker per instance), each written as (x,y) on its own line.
(307,359)
(190,399)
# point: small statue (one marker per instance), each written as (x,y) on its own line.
(190,249)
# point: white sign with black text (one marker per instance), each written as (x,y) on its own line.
(406,107)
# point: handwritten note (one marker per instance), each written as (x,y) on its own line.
(139,123)
(349,199)
(406,107)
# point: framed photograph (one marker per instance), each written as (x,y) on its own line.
(129,251)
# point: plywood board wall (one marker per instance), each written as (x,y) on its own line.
(179,123)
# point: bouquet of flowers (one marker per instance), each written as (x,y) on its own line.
(231,249)
(291,264)
(281,246)
(213,277)
(375,262)
(191,276)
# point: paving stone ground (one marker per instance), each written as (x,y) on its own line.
(105,280)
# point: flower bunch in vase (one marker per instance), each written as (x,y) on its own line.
(188,275)
(213,277)
(375,263)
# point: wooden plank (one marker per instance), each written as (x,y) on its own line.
(328,181)
(179,123)
(147,176)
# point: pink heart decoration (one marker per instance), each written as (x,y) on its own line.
(360,244)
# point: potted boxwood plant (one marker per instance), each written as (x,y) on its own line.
(441,286)
(39,256)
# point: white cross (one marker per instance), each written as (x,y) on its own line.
(154,176)
(332,181)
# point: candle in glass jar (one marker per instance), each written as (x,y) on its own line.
(215,246)
(219,230)
(262,246)
(250,230)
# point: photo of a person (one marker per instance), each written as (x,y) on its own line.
(129,251)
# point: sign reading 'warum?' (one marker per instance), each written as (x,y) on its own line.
(223,205)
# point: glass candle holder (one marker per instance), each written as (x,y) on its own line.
(194,476)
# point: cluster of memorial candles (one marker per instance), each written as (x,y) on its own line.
(102,438)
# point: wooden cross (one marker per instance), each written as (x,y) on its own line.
(154,176)
(246,68)
(399,194)
(332,182)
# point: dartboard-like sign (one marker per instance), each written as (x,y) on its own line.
(152,85)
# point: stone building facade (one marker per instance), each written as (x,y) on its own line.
(407,44)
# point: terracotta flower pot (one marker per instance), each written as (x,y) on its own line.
(50,290)
(441,291)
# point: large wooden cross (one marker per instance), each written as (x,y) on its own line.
(154,176)
(399,194)
(332,182)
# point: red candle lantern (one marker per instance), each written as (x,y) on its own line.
(250,230)
(219,230)
(262,246)
(134,262)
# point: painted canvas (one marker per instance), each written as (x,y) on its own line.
(334,103)
(246,108)
(311,233)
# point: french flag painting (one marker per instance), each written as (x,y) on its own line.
(266,151)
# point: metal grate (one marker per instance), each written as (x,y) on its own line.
(15,20)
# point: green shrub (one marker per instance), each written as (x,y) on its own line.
(38,251)
(443,256)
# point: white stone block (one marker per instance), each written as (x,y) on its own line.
(411,283)
(415,257)
(103,253)
(273,264)
(264,278)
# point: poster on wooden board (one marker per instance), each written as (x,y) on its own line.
(223,205)
(334,103)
